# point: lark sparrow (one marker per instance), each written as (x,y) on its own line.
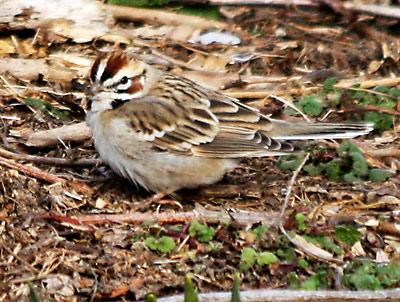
(165,132)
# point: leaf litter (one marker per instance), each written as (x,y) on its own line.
(78,232)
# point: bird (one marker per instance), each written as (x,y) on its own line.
(165,132)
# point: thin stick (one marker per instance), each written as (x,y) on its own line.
(54,161)
(297,240)
(31,171)
(23,261)
(289,193)
(161,16)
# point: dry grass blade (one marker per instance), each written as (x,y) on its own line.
(298,241)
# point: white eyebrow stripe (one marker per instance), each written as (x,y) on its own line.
(100,70)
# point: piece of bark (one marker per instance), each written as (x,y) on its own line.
(80,20)
(74,132)
(30,69)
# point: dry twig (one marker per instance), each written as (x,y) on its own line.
(54,161)
(159,16)
(31,171)
(297,240)
(240,217)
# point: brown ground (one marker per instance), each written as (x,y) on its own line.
(41,243)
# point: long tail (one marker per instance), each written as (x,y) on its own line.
(306,130)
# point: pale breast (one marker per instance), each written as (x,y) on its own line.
(158,171)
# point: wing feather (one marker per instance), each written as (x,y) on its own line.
(207,124)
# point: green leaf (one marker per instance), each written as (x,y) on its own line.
(293,280)
(301,222)
(189,290)
(361,275)
(164,245)
(383,89)
(333,168)
(201,231)
(313,170)
(347,234)
(389,275)
(311,283)
(347,147)
(351,177)
(34,295)
(394,91)
(204,11)
(380,174)
(290,162)
(329,84)
(248,257)
(311,105)
(236,288)
(287,254)
(381,121)
(360,165)
(140,3)
(259,231)
(47,108)
(369,275)
(364,281)
(151,243)
(303,263)
(266,258)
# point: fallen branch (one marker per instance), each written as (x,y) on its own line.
(239,217)
(31,171)
(277,295)
(75,132)
(161,17)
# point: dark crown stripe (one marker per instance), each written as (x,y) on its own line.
(116,61)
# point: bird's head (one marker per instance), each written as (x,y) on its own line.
(116,78)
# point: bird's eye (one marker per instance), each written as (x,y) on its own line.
(124,80)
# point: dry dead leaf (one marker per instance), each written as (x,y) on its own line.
(80,20)
(6,47)
(60,284)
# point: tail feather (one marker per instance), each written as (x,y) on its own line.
(305,131)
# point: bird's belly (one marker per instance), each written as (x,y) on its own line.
(162,171)
(158,171)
